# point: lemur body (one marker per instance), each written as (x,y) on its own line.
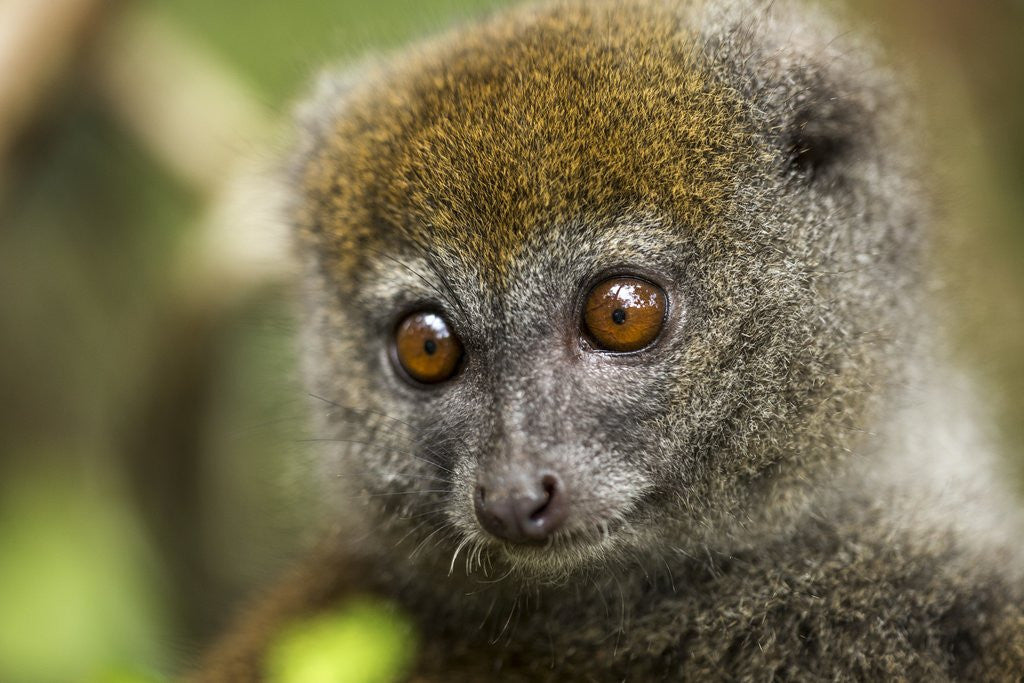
(786,480)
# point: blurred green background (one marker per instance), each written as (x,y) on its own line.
(149,436)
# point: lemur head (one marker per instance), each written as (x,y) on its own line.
(598,279)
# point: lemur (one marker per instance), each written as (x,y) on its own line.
(623,343)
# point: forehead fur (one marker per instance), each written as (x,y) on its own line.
(577,111)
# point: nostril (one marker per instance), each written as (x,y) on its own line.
(552,510)
(549,484)
(538,514)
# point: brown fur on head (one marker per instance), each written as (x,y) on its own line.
(481,143)
(503,172)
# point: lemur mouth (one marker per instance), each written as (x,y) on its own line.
(535,520)
(577,541)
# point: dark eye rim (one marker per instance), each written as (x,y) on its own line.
(587,341)
(392,348)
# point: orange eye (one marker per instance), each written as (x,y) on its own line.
(426,348)
(624,313)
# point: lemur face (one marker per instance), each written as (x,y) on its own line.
(568,299)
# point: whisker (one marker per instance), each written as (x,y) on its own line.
(421,477)
(515,604)
(444,297)
(431,511)
(504,576)
(455,555)
(424,541)
(386,431)
(445,283)
(411,532)
(364,411)
(488,614)
(407,493)
(370,444)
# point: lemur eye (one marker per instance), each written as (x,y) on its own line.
(426,348)
(624,314)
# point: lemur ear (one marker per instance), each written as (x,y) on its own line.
(822,135)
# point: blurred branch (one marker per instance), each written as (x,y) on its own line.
(192,113)
(37,42)
(197,118)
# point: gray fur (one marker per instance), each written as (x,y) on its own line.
(794,483)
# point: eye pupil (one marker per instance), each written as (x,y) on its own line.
(430,347)
(618,316)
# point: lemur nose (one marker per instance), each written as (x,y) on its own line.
(529,510)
